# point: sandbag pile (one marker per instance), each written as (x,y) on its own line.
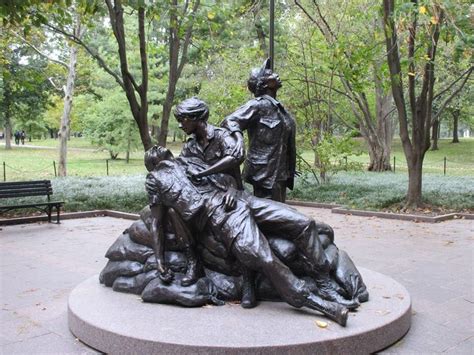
(132,268)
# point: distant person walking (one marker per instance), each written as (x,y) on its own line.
(22,137)
(17,137)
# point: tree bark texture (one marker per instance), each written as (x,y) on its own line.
(7,99)
(129,85)
(176,61)
(435,134)
(420,106)
(415,181)
(66,116)
(68,97)
(8,132)
(455,125)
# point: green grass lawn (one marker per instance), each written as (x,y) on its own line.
(22,163)
(28,163)
(459,157)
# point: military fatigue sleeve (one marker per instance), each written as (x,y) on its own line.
(239,120)
(228,143)
(152,188)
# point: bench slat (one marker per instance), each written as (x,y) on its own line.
(32,182)
(28,189)
(20,188)
(53,203)
(22,194)
(25,188)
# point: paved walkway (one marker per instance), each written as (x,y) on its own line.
(41,263)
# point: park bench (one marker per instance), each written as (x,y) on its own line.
(29,189)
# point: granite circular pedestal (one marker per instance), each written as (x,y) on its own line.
(115,322)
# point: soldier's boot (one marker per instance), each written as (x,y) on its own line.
(192,272)
(327,291)
(332,310)
(248,289)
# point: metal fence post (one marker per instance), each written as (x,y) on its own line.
(444,167)
(394,166)
(4,172)
(107,165)
(54,166)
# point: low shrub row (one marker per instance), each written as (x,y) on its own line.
(358,190)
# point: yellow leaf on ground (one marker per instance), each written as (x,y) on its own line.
(434,20)
(321,324)
(411,74)
(422,10)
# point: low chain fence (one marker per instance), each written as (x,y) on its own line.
(444,166)
(107,167)
(110,167)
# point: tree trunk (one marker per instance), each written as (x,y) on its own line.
(176,62)
(420,106)
(379,156)
(129,141)
(414,194)
(173,76)
(455,126)
(68,96)
(7,96)
(8,133)
(435,135)
(166,113)
(380,144)
(128,82)
(315,140)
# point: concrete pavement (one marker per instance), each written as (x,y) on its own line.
(41,263)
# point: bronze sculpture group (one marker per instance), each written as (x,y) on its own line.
(205,239)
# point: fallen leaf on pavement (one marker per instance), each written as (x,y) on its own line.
(321,324)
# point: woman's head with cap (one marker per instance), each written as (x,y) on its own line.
(193,109)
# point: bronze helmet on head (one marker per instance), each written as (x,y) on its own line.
(257,81)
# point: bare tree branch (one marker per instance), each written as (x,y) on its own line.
(89,50)
(297,3)
(454,93)
(187,38)
(50,79)
(37,50)
(323,85)
(116,20)
(143,54)
(468,72)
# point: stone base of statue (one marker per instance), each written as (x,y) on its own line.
(115,322)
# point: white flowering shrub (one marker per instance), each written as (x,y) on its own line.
(362,190)
(380,190)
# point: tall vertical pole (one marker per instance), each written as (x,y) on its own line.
(272,33)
